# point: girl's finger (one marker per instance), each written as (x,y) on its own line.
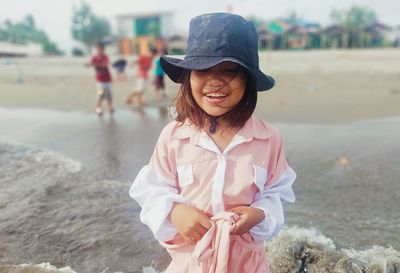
(205,222)
(239,227)
(188,239)
(233,229)
(195,236)
(201,229)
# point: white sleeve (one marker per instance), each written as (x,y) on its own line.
(270,201)
(155,189)
(156,195)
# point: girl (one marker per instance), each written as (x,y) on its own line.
(213,190)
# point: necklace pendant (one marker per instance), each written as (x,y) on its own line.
(213,128)
(213,125)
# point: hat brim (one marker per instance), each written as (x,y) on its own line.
(175,67)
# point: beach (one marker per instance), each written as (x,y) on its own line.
(341,86)
(65,173)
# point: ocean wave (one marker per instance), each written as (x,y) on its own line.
(308,250)
(11,151)
(69,165)
(35,268)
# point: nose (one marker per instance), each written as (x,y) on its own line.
(216,78)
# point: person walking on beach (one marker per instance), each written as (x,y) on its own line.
(119,66)
(103,78)
(158,73)
(143,65)
(214,187)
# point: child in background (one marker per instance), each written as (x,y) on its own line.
(143,65)
(214,187)
(158,73)
(103,79)
(120,65)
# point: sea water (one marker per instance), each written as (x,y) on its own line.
(63,209)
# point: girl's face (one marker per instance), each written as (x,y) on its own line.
(219,88)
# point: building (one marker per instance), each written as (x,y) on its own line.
(377,34)
(396,36)
(280,34)
(140,32)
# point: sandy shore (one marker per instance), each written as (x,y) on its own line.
(312,86)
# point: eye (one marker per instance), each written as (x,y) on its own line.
(231,70)
(203,70)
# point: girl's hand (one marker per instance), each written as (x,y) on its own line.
(249,217)
(190,222)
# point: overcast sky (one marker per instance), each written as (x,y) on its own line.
(54,16)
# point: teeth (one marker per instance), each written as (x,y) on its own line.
(216,95)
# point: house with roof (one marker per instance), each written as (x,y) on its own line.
(138,32)
(395,37)
(280,34)
(377,34)
(303,34)
(334,36)
(271,34)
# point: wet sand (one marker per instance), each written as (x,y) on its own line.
(338,112)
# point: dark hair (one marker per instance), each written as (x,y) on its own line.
(153,51)
(187,107)
(101,44)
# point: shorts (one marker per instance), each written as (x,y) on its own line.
(140,84)
(159,82)
(104,91)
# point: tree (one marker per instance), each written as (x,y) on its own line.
(292,18)
(354,18)
(87,27)
(26,31)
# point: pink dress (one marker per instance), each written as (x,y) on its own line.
(187,167)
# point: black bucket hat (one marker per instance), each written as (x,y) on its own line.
(215,38)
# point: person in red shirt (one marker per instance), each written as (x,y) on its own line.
(143,64)
(103,79)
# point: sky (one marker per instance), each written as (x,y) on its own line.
(54,16)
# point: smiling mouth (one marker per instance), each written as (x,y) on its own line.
(216,95)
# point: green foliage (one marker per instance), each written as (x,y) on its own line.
(354,18)
(87,27)
(26,31)
(292,17)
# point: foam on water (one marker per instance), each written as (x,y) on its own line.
(35,268)
(69,165)
(308,250)
(13,150)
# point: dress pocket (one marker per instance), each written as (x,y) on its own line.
(185,175)
(260,177)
